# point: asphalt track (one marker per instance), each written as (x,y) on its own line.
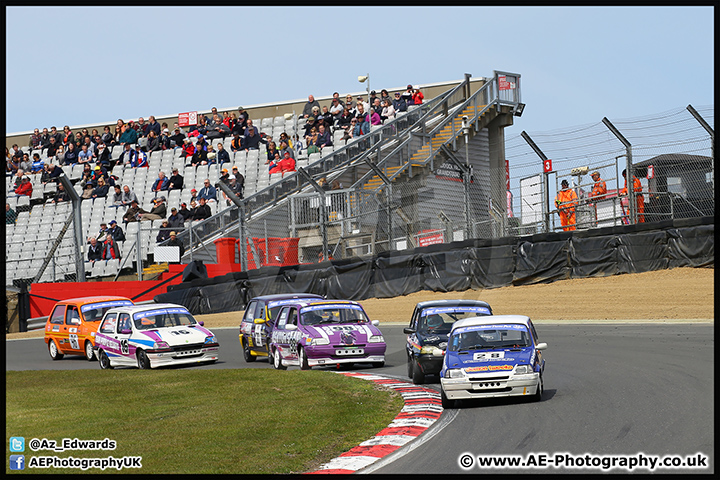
(631,390)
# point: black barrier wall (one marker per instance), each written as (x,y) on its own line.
(464,265)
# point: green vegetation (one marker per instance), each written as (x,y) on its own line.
(198,421)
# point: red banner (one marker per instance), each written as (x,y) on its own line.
(187,119)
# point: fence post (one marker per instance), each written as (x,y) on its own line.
(546,203)
(628,170)
(138,244)
(711,132)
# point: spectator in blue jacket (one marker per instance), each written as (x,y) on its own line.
(129,135)
(161,183)
(399,104)
(208,192)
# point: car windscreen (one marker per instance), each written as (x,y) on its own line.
(332,313)
(439,320)
(163,318)
(275,306)
(489,337)
(94,312)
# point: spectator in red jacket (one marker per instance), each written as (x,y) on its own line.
(25,187)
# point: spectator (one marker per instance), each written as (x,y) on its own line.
(343,121)
(17,179)
(224,176)
(349,104)
(54,172)
(164,232)
(360,101)
(236,189)
(336,109)
(128,196)
(35,140)
(44,138)
(417,96)
(53,146)
(311,103)
(272,151)
(286,165)
(60,194)
(240,179)
(10,215)
(250,127)
(95,250)
(222,155)
(193,195)
(188,150)
(208,192)
(202,211)
(217,128)
(253,139)
(67,135)
(153,126)
(60,155)
(71,155)
(107,137)
(85,155)
(236,144)
(175,220)
(116,232)
(37,165)
(165,141)
(101,191)
(158,211)
(377,106)
(153,142)
(177,138)
(128,135)
(103,232)
(161,183)
(385,96)
(25,162)
(133,212)
(200,157)
(25,187)
(140,158)
(312,142)
(211,155)
(399,103)
(184,212)
(174,242)
(117,196)
(326,118)
(110,248)
(127,156)
(176,180)
(324,137)
(388,111)
(103,157)
(407,95)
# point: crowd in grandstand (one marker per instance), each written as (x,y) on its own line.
(138,139)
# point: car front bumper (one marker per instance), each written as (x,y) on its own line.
(199,355)
(490,386)
(328,355)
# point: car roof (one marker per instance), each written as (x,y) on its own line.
(95,299)
(491,320)
(306,303)
(150,306)
(283,296)
(451,303)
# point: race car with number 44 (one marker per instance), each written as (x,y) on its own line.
(330,332)
(492,356)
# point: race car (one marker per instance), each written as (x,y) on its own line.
(427,334)
(153,335)
(72,323)
(259,319)
(329,332)
(492,356)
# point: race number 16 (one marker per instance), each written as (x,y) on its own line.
(547,166)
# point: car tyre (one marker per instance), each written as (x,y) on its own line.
(143,360)
(54,351)
(104,361)
(249,357)
(378,364)
(410,362)
(418,376)
(304,365)
(277,361)
(89,354)
(541,387)
(445,401)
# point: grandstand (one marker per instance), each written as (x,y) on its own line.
(407,172)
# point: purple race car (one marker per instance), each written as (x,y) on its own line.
(327,332)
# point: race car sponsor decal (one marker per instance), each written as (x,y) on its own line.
(330,306)
(489,368)
(72,330)
(474,328)
(484,356)
(347,338)
(459,309)
(163,311)
(278,303)
(110,304)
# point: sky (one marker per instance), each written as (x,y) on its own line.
(87,65)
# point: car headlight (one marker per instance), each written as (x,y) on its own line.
(454,373)
(523,369)
(376,339)
(161,346)
(317,341)
(210,339)
(432,350)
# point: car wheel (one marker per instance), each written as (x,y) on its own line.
(104,360)
(418,377)
(410,366)
(445,401)
(54,352)
(378,364)
(541,387)
(304,365)
(277,361)
(249,357)
(89,354)
(143,360)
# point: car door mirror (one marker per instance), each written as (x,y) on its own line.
(259,320)
(541,346)
(201,323)
(125,331)
(375,322)
(409,331)
(290,327)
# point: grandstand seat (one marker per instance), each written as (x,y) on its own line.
(23,201)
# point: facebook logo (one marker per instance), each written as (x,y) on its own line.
(17,444)
(17,462)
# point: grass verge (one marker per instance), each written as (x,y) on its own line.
(198,421)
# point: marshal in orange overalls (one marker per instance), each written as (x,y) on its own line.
(566,201)
(640,200)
